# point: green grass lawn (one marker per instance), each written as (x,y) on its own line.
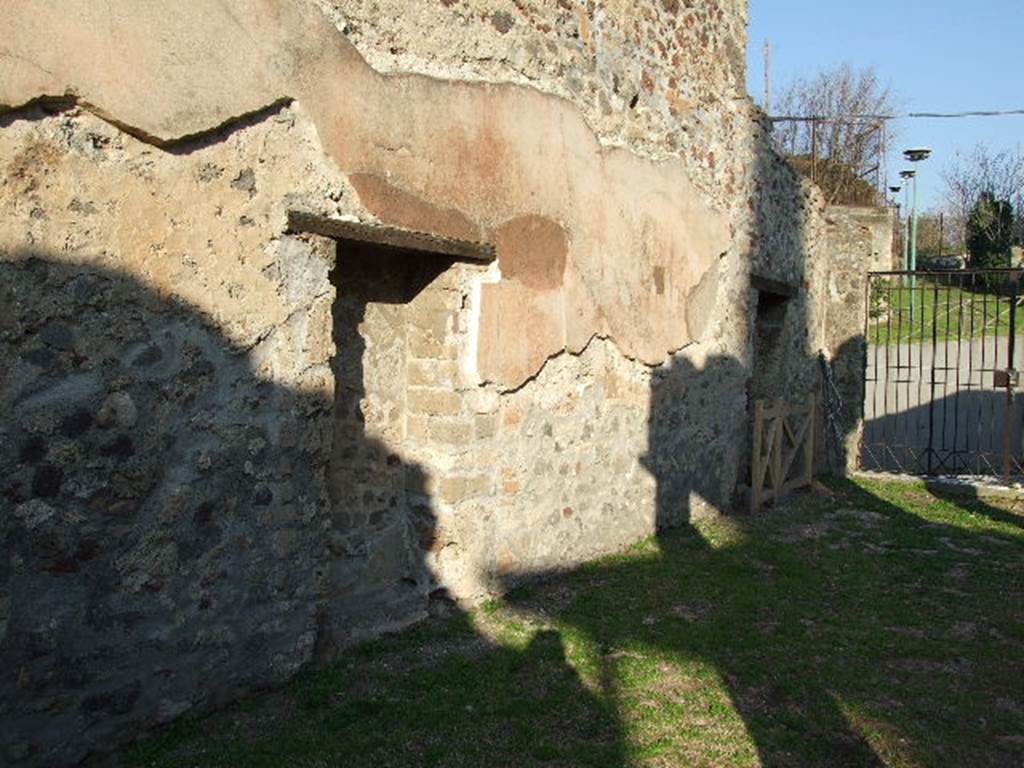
(872,624)
(950,312)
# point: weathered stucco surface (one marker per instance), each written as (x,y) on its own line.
(165,415)
(230,450)
(480,155)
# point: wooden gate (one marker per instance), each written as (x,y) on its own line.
(782,434)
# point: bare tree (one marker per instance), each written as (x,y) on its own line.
(982,171)
(840,122)
(932,234)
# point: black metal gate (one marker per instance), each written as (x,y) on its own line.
(941,393)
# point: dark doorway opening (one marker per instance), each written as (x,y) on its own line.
(382,517)
(378,579)
(773,299)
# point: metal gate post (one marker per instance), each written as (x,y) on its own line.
(935,356)
(1011,380)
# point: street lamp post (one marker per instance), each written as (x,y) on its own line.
(913,225)
(914,155)
(906,176)
(908,263)
(895,189)
(909,257)
(899,217)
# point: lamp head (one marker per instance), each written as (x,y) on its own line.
(895,188)
(908,174)
(916,154)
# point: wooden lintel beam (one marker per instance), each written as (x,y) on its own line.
(395,237)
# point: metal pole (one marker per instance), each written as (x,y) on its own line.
(913,247)
(906,226)
(913,229)
(1011,381)
(912,263)
(932,377)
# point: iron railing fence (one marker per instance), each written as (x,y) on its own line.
(941,385)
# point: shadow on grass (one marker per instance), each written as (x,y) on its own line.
(853,634)
(973,502)
(437,696)
(873,627)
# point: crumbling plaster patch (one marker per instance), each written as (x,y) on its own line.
(79,187)
(476,155)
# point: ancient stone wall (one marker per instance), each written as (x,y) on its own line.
(857,240)
(230,449)
(166,392)
(666,78)
(851,226)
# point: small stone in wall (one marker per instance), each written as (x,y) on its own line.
(34,513)
(77,206)
(209,172)
(502,21)
(245,181)
(118,410)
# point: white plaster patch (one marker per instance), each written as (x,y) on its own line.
(468,359)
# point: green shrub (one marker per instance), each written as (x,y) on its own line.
(989,233)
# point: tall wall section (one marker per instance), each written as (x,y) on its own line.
(230,449)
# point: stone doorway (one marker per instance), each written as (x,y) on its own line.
(387,283)
(378,579)
(768,375)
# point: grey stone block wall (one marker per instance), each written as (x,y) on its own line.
(163,529)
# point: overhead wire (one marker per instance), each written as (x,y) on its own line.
(901,116)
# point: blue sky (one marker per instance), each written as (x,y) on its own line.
(939,56)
